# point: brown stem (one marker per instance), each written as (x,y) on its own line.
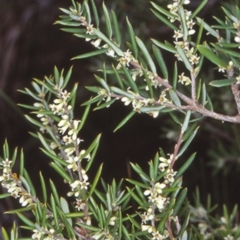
(193,87)
(196,106)
(176,149)
(236,94)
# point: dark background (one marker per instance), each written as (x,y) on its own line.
(30,47)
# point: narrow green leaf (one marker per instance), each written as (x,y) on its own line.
(95,13)
(54,157)
(67,78)
(160,60)
(109,42)
(116,28)
(21,166)
(222,82)
(183,22)
(92,89)
(135,197)
(179,201)
(91,54)
(104,105)
(65,209)
(54,211)
(146,55)
(5,195)
(162,10)
(133,39)
(93,154)
(136,183)
(95,181)
(185,166)
(139,170)
(200,31)
(199,8)
(33,121)
(67,23)
(56,75)
(175,118)
(186,121)
(19,210)
(26,178)
(118,78)
(209,103)
(84,35)
(33,95)
(149,83)
(204,95)
(26,220)
(27,106)
(61,171)
(103,83)
(124,121)
(107,21)
(184,58)
(44,190)
(184,226)
(74,215)
(54,192)
(164,20)
(121,92)
(208,28)
(93,100)
(87,12)
(92,146)
(44,143)
(74,30)
(130,80)
(174,98)
(175,76)
(4,234)
(152,108)
(226,51)
(84,117)
(167,47)
(88,227)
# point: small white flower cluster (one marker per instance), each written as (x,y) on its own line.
(184,79)
(66,132)
(13,184)
(179,34)
(229,70)
(165,165)
(71,142)
(138,102)
(157,200)
(125,59)
(103,235)
(44,232)
(236,25)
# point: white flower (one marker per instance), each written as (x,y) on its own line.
(96,43)
(74,131)
(183,79)
(237,39)
(221,69)
(89,29)
(126,100)
(110,52)
(147,228)
(177,34)
(112,221)
(228,237)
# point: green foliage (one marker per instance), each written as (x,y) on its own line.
(160,209)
